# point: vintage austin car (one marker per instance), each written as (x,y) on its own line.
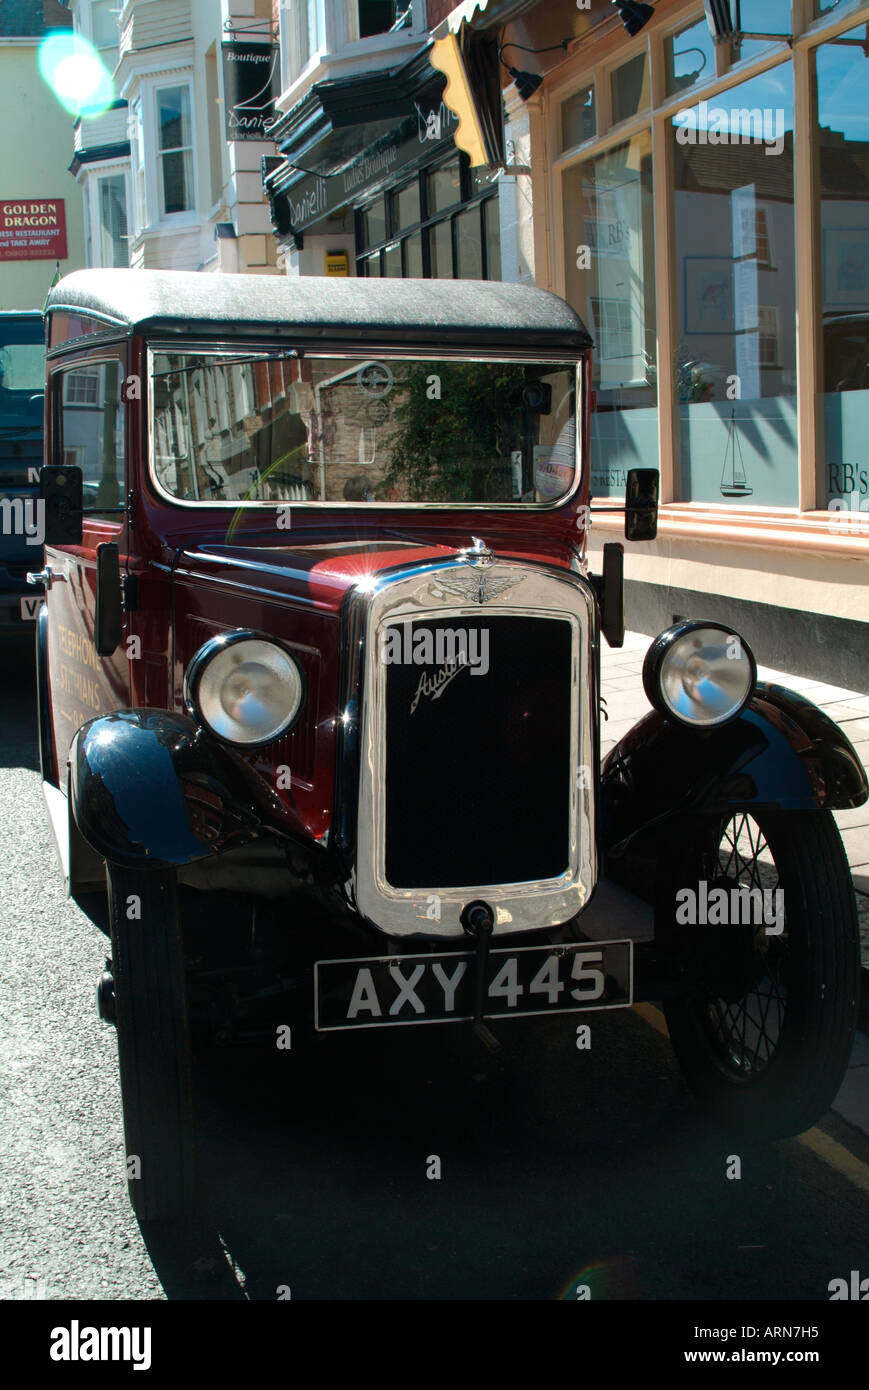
(318,610)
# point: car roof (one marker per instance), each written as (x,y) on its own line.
(483,312)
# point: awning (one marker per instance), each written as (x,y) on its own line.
(482,14)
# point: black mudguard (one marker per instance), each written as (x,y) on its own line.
(782,753)
(151,789)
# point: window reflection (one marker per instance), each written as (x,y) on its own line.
(609,254)
(735,367)
(842,72)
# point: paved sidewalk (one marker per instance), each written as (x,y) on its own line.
(622,689)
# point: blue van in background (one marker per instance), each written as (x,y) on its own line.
(22,394)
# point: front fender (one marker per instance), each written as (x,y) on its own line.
(151,789)
(782,753)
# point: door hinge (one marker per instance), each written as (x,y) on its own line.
(130,514)
(130,592)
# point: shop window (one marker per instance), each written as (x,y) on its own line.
(443,188)
(842,140)
(174,150)
(578,119)
(406,208)
(735,367)
(374,222)
(440,244)
(413,268)
(609,254)
(92,432)
(112,197)
(469,245)
(371,266)
(630,88)
(762,17)
(689,55)
(392,261)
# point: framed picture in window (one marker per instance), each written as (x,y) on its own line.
(846,268)
(709,295)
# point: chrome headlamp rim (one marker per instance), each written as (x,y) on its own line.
(654,661)
(200,661)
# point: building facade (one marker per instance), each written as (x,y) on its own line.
(40,205)
(170,172)
(368,179)
(705,207)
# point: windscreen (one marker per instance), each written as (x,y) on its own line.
(361,430)
(22,376)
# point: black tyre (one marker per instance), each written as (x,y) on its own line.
(153,1041)
(765,1052)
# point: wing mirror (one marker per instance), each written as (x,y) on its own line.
(60,491)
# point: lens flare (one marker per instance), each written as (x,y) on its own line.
(612,1278)
(75,72)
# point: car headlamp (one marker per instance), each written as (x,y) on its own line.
(701,674)
(245,689)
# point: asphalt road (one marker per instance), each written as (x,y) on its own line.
(558,1167)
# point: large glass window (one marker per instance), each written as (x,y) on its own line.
(175,150)
(349,429)
(842,135)
(735,365)
(609,253)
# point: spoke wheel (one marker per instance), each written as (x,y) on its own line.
(766,1050)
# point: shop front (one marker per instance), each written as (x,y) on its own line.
(369,182)
(705,207)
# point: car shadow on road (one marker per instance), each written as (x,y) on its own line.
(409,1163)
(19,742)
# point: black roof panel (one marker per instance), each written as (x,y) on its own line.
(483,312)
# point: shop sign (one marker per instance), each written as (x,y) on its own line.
(418,137)
(32,229)
(250,86)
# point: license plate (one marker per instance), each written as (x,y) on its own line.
(439,988)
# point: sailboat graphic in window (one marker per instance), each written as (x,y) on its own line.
(734,481)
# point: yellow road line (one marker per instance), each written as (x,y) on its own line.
(837,1156)
(832,1153)
(649,1014)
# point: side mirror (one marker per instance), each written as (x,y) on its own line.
(109,613)
(641,504)
(60,491)
(611,594)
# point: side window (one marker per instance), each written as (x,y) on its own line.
(92,432)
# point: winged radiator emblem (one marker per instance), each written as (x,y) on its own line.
(472,588)
(478,587)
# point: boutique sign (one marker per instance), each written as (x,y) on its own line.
(250,86)
(32,229)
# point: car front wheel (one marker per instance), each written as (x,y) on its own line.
(766,1050)
(150,1006)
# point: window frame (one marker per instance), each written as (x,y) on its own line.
(606,52)
(182,84)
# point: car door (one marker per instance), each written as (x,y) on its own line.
(88,430)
